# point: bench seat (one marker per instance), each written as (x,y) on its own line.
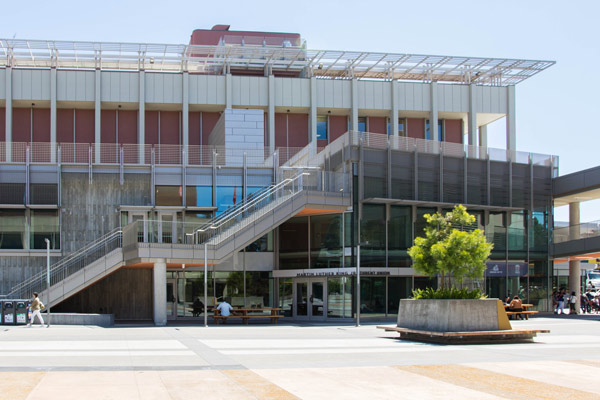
(526,314)
(245,318)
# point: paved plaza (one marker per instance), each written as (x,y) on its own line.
(291,361)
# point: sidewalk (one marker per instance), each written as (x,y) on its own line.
(292,361)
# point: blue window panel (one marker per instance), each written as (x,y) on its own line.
(203,196)
(322,130)
(440,130)
(362,126)
(427,131)
(227,196)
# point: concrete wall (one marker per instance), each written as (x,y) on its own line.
(449,315)
(92,210)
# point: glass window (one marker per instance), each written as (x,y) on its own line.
(227,196)
(421,222)
(262,244)
(401,127)
(198,196)
(326,241)
(12,229)
(362,124)
(286,298)
(372,230)
(293,244)
(322,127)
(427,130)
(168,195)
(440,130)
(372,295)
(44,224)
(399,231)
(193,220)
(495,233)
(339,297)
(259,290)
(12,193)
(398,288)
(538,240)
(517,238)
(43,193)
(191,294)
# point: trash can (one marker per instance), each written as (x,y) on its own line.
(21,312)
(8,312)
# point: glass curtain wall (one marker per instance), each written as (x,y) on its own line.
(293,244)
(44,224)
(326,241)
(372,231)
(12,229)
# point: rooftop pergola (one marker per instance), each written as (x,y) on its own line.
(328,64)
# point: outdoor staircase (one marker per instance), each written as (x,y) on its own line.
(227,233)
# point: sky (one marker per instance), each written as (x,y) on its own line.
(551,107)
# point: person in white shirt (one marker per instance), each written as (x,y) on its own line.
(225,309)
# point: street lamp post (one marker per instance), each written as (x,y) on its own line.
(358,281)
(205,284)
(48,276)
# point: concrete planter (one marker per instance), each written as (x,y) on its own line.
(453,315)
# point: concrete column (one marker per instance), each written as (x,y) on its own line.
(574,265)
(472,129)
(271,114)
(141,134)
(97,113)
(394,113)
(354,102)
(160,292)
(185,116)
(483,141)
(228,92)
(433,114)
(53,114)
(313,115)
(8,112)
(511,125)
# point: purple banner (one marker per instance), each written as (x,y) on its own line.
(498,269)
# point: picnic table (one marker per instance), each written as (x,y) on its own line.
(245,314)
(525,313)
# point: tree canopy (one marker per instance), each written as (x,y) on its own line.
(451,248)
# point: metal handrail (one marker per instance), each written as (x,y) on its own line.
(233,213)
(69,264)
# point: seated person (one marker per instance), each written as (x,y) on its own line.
(197,307)
(516,305)
(225,309)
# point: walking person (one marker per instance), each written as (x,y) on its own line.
(36,306)
(572,302)
(560,298)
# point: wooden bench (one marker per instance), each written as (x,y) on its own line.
(246,314)
(477,337)
(526,314)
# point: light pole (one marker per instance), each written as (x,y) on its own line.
(205,284)
(48,276)
(358,281)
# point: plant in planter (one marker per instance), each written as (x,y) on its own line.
(452,250)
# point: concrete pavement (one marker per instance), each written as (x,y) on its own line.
(292,361)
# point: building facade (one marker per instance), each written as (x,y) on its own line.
(263,163)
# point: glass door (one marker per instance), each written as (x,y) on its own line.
(171,298)
(167,228)
(309,299)
(142,227)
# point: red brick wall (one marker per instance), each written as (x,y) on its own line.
(64,125)
(2,124)
(377,125)
(85,126)
(453,130)
(416,128)
(338,125)
(128,126)
(169,127)
(108,128)
(151,127)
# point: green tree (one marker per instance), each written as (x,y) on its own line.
(451,248)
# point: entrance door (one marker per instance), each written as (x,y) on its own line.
(167,228)
(171,298)
(142,226)
(309,299)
